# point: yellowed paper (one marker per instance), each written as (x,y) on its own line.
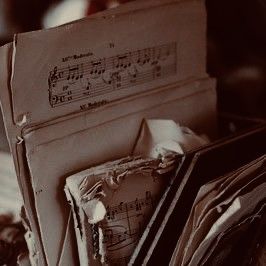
(75,97)
(116,203)
(104,60)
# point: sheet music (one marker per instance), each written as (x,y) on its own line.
(83,66)
(44,148)
(117,199)
(217,208)
(36,54)
(99,77)
(124,226)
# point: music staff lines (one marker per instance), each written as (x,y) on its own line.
(125,81)
(103,76)
(121,61)
(125,218)
(113,239)
(124,224)
(125,207)
(98,90)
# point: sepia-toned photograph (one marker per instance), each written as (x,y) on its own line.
(133,132)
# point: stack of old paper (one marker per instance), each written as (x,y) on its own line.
(75,97)
(113,202)
(227,211)
(216,200)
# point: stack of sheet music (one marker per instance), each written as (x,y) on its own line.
(226,220)
(214,211)
(74,98)
(113,202)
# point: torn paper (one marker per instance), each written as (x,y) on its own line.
(158,137)
(220,204)
(113,203)
(97,137)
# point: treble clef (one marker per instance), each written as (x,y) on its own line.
(53,77)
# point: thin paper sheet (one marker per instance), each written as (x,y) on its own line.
(16,144)
(229,240)
(220,210)
(102,61)
(50,162)
(114,201)
(42,137)
(234,213)
(117,207)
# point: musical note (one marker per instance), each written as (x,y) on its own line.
(116,80)
(57,99)
(97,69)
(144,56)
(73,73)
(157,71)
(124,225)
(99,77)
(53,76)
(132,72)
(122,61)
(88,88)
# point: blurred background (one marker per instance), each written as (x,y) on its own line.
(236,43)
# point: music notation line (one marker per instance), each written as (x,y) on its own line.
(124,207)
(145,77)
(59,74)
(123,226)
(98,77)
(124,218)
(125,80)
(114,239)
(100,90)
